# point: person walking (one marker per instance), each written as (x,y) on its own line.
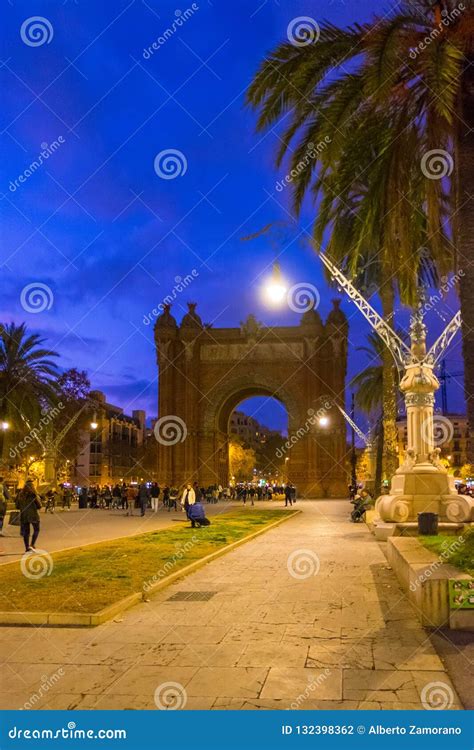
(143,497)
(288,495)
(131,495)
(28,503)
(66,497)
(4,497)
(173,501)
(155,496)
(188,498)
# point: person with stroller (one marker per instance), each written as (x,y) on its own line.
(188,498)
(197,514)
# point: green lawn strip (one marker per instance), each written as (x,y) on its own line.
(87,579)
(452,550)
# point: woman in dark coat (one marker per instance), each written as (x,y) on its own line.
(28,503)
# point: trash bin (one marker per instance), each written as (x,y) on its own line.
(428,524)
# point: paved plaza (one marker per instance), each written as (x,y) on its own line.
(308,615)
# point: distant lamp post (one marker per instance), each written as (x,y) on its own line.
(275,289)
(5,425)
(323,421)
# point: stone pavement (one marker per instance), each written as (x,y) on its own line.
(308,615)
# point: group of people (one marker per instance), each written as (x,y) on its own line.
(252,492)
(29,502)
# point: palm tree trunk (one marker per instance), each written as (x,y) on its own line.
(465,238)
(389,397)
(379,459)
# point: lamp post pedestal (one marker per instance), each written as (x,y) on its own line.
(422,483)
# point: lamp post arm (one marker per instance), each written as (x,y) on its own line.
(61,435)
(397,347)
(351,422)
(442,343)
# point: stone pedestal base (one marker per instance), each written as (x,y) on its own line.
(424,488)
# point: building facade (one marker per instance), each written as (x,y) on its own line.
(451,437)
(249,430)
(113,451)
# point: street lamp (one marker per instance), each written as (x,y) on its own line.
(275,289)
(323,421)
(5,426)
(94,423)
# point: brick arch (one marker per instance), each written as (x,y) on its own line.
(229,394)
(205,372)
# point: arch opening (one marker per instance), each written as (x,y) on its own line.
(256,427)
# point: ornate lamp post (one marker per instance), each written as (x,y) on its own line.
(422,482)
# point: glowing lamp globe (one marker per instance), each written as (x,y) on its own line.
(275,289)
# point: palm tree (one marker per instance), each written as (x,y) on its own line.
(380,82)
(369,385)
(27,372)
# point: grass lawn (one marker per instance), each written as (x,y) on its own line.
(452,550)
(90,578)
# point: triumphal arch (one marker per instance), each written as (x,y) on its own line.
(204,373)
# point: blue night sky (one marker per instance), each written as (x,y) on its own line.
(99,227)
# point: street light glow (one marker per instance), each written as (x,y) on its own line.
(323,421)
(275,289)
(5,425)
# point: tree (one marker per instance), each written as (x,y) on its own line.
(27,374)
(345,89)
(241,461)
(73,411)
(269,460)
(369,385)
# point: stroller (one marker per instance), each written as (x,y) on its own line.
(361,502)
